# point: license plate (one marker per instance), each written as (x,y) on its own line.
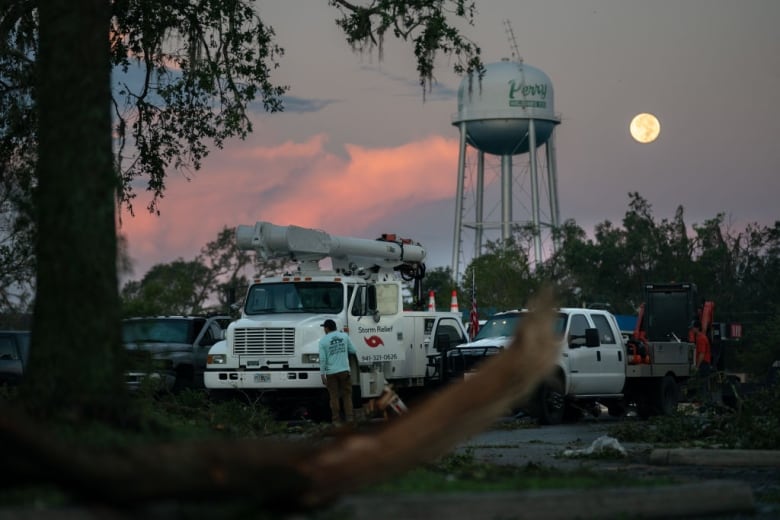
(262,378)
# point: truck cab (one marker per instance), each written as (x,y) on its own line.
(591,366)
(170,351)
(594,362)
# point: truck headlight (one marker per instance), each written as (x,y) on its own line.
(216,359)
(311,358)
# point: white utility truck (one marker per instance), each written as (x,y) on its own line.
(273,347)
(594,368)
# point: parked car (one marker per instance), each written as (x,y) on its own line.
(14,355)
(170,351)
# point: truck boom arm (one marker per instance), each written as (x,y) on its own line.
(311,245)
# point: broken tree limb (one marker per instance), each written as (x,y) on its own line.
(292,475)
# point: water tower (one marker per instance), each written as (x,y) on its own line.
(508,113)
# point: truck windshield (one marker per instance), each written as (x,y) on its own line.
(506,324)
(302,297)
(157,330)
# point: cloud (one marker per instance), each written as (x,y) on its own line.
(299,183)
(438,91)
(295,105)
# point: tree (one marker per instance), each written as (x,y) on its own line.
(503,276)
(174,288)
(439,280)
(75,353)
(223,61)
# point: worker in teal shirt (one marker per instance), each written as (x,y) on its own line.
(335,348)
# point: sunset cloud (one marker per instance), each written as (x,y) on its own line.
(298,183)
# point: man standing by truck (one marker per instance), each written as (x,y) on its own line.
(335,348)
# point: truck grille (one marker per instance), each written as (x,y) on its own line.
(265,341)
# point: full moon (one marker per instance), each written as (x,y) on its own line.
(645,128)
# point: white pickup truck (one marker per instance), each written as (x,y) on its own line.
(593,367)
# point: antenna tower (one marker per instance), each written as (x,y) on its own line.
(510,34)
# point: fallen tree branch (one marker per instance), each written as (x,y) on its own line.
(289,475)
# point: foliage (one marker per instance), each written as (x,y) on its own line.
(203,63)
(171,288)
(502,277)
(761,346)
(438,280)
(426,22)
(754,424)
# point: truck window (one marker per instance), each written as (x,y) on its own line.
(577,325)
(450,328)
(499,326)
(359,303)
(387,299)
(605,331)
(157,330)
(298,297)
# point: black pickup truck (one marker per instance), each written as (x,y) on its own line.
(14,355)
(170,351)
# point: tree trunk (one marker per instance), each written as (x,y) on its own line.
(75,362)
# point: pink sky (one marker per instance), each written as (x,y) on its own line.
(292,183)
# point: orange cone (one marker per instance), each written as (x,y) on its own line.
(431,302)
(454,302)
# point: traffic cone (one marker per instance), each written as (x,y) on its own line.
(454,302)
(431,302)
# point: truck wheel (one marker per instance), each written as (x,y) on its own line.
(668,396)
(551,403)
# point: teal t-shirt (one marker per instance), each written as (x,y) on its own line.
(335,348)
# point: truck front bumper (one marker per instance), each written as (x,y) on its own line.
(262,379)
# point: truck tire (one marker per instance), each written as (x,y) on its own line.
(550,403)
(667,396)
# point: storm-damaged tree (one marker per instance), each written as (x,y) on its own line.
(185,73)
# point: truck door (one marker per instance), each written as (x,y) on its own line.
(375,323)
(449,333)
(584,362)
(611,356)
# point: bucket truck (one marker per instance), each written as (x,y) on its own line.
(273,346)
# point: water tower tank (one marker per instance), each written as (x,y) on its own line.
(497,110)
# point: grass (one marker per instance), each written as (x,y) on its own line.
(462,472)
(193,415)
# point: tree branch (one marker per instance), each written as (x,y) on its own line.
(289,475)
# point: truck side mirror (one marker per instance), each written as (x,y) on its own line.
(592,338)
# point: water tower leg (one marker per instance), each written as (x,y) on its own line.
(506,197)
(479,205)
(534,192)
(459,204)
(552,182)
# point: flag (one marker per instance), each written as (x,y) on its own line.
(474,315)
